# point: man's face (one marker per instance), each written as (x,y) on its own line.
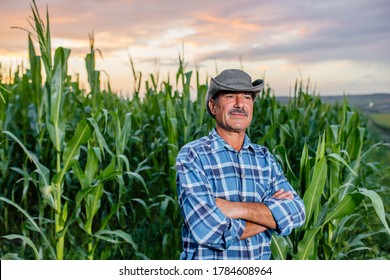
(233,110)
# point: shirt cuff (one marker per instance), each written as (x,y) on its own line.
(237,227)
(280,214)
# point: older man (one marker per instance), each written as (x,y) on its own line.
(232,192)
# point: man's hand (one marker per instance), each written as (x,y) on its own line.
(281,194)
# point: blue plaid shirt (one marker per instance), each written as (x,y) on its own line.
(209,168)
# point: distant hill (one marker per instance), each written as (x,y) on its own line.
(370,103)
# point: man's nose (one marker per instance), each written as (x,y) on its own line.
(239,101)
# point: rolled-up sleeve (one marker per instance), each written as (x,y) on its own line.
(206,223)
(288,214)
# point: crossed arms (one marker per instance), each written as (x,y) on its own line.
(258,216)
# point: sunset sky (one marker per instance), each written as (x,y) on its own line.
(341,46)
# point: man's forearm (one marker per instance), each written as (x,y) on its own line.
(254,212)
(252,229)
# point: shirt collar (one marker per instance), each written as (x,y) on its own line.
(218,142)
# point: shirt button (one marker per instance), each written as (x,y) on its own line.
(243,176)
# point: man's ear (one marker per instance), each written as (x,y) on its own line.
(212,106)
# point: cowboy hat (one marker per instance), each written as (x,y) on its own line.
(233,80)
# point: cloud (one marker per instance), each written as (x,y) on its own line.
(312,34)
(279,32)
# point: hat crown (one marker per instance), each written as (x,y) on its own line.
(234,77)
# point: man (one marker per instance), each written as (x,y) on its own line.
(232,193)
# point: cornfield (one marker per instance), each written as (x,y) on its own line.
(91,175)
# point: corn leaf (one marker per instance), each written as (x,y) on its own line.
(33,223)
(378,206)
(345,207)
(308,245)
(26,240)
(313,194)
(44,173)
(72,150)
(112,237)
(279,247)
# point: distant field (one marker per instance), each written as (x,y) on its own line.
(382,120)
(381,125)
(377,103)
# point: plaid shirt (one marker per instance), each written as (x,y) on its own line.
(208,168)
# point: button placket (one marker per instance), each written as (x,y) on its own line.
(242,170)
(242,175)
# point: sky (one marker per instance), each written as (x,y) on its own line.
(341,46)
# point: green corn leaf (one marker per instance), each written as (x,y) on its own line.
(304,170)
(146,208)
(313,194)
(139,178)
(99,137)
(285,129)
(268,134)
(63,218)
(33,224)
(378,206)
(337,159)
(107,218)
(25,239)
(81,194)
(92,165)
(56,125)
(123,137)
(72,150)
(112,237)
(345,207)
(334,132)
(80,175)
(279,247)
(93,202)
(34,63)
(357,240)
(280,149)
(110,172)
(308,245)
(320,148)
(125,160)
(45,185)
(3,89)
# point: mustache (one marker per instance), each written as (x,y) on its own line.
(238,111)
